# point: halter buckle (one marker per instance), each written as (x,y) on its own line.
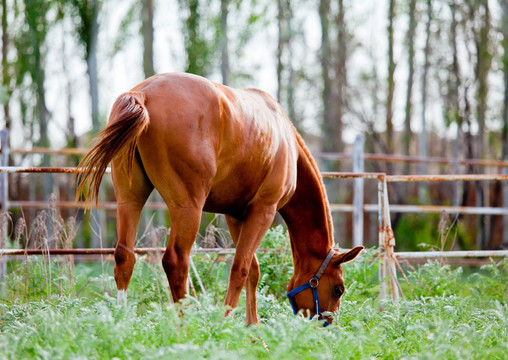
(314,282)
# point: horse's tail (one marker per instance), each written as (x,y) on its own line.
(129,118)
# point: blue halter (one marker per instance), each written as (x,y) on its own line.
(312,284)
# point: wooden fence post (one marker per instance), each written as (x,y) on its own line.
(387,267)
(381,243)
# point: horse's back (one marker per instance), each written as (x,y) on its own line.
(229,146)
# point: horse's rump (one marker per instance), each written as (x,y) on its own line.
(129,118)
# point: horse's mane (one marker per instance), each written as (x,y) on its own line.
(319,179)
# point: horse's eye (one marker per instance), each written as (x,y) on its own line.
(338,290)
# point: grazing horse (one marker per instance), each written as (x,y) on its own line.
(208,147)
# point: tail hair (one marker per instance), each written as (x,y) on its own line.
(128,120)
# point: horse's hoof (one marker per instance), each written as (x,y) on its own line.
(122,297)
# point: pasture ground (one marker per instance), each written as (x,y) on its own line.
(52,309)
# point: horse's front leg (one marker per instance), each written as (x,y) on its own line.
(245,266)
(184,229)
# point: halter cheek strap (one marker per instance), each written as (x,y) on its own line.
(312,284)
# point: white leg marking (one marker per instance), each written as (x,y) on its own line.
(122,297)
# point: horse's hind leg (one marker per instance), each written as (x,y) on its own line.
(131,197)
(235,227)
(184,229)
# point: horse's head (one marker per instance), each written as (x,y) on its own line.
(319,292)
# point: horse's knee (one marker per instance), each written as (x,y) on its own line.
(124,264)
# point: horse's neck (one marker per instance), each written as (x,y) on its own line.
(307,214)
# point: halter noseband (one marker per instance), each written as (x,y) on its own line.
(313,284)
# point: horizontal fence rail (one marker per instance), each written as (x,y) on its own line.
(450,254)
(321,155)
(405,209)
(41,170)
(396,208)
(49,151)
(424,209)
(413,159)
(386,238)
(471,210)
(111,251)
(229,251)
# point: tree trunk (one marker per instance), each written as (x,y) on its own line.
(327,96)
(5,66)
(341,74)
(280,48)
(483,64)
(224,65)
(469,145)
(410,79)
(38,78)
(196,47)
(291,94)
(422,190)
(285,71)
(484,60)
(504,29)
(452,109)
(148,32)
(332,137)
(390,78)
(91,61)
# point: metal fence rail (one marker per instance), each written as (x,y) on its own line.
(321,155)
(450,254)
(413,159)
(228,251)
(386,239)
(111,251)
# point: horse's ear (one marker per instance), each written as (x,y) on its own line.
(348,256)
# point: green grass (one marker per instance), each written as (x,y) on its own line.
(449,313)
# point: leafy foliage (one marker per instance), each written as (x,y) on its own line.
(277,267)
(450,313)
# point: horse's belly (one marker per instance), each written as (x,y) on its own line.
(223,207)
(230,197)
(235,190)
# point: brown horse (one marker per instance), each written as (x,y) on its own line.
(208,147)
